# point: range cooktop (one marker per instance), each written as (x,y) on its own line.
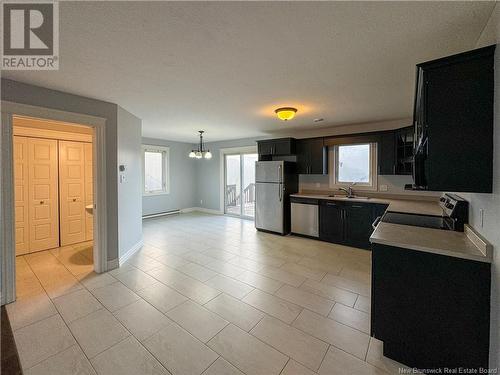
(427,221)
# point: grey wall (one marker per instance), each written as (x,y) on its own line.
(19,92)
(130,188)
(183,179)
(208,172)
(490,203)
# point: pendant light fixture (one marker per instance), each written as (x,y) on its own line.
(200,152)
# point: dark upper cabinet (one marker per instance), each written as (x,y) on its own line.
(276,147)
(387,153)
(312,156)
(453,119)
(395,152)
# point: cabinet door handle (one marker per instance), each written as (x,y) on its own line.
(356,206)
(42,202)
(74,199)
(331,204)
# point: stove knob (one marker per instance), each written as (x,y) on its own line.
(449,206)
(442,199)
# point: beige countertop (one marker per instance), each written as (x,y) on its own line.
(466,245)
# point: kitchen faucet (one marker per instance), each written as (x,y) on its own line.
(348,190)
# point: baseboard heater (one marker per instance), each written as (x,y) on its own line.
(173,212)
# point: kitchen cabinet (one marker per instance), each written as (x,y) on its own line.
(452,330)
(331,221)
(276,147)
(348,223)
(312,156)
(358,224)
(453,119)
(395,153)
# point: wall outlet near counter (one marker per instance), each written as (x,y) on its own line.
(383,188)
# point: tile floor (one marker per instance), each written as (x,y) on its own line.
(205,295)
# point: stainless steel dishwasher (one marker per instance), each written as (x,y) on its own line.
(305,216)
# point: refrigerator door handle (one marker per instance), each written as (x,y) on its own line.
(280,183)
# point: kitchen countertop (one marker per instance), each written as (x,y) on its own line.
(465,245)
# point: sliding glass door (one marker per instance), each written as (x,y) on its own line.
(239,184)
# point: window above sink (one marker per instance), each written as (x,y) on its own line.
(353,164)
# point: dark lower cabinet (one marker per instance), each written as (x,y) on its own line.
(358,225)
(431,311)
(348,223)
(331,221)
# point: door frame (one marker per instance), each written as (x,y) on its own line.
(7,225)
(222,159)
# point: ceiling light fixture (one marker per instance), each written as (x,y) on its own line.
(286,113)
(200,152)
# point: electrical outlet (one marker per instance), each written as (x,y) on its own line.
(383,188)
(481,217)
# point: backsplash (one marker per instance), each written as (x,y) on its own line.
(395,185)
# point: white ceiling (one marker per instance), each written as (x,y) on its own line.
(225,66)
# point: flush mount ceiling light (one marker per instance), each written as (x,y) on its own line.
(286,113)
(200,152)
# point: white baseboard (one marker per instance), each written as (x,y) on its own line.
(202,209)
(130,252)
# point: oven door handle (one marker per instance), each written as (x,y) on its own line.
(375,223)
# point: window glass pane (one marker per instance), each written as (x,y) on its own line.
(153,171)
(354,163)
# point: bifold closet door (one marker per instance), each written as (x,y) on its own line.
(21,195)
(89,192)
(72,192)
(43,200)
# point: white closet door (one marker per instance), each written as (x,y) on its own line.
(43,199)
(89,192)
(21,195)
(72,192)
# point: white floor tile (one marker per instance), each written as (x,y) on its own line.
(69,361)
(197,320)
(141,319)
(127,358)
(115,296)
(273,306)
(337,334)
(179,352)
(298,345)
(97,332)
(235,288)
(248,354)
(235,311)
(41,340)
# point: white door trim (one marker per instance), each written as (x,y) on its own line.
(222,170)
(7,252)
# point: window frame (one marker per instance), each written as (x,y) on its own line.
(165,151)
(334,183)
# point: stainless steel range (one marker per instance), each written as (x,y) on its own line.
(455,215)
